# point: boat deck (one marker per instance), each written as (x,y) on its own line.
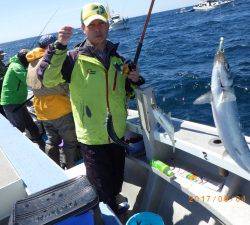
(195,139)
(25,170)
(195,150)
(176,198)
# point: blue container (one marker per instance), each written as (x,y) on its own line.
(145,218)
(83,219)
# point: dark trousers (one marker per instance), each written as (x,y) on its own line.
(57,130)
(21,119)
(2,111)
(105,170)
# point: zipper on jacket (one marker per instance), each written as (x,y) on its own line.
(107,96)
(18,86)
(107,91)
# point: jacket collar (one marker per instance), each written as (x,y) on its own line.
(86,48)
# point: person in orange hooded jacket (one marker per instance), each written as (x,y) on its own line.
(52,107)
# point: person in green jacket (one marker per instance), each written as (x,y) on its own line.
(3,69)
(98,87)
(14,94)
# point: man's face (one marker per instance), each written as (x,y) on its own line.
(96,32)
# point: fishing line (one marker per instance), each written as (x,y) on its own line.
(33,45)
(45,26)
(222,16)
(220,22)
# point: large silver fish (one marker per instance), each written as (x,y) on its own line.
(166,123)
(225,112)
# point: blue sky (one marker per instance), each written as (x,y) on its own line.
(26,18)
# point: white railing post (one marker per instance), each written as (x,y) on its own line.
(145,99)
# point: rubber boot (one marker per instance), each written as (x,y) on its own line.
(53,153)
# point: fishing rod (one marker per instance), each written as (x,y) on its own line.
(33,45)
(129,66)
(45,26)
(20,106)
(139,47)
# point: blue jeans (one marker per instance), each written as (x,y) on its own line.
(57,130)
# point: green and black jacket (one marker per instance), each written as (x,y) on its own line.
(14,89)
(96,88)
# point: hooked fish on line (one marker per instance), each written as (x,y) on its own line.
(225,111)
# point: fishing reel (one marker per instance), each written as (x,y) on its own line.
(128,66)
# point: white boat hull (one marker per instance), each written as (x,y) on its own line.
(205,6)
(119,24)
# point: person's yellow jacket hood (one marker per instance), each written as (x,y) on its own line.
(35,54)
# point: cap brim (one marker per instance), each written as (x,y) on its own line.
(94,17)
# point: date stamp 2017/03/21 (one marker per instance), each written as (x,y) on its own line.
(215,198)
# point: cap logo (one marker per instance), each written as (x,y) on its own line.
(92,10)
(101,10)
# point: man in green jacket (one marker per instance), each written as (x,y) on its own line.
(94,71)
(14,94)
(3,70)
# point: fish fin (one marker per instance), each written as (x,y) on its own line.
(228,96)
(203,99)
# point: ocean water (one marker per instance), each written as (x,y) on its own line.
(177,56)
